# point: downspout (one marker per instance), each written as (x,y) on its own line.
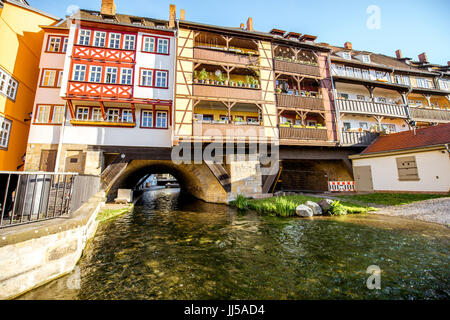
(175,80)
(337,120)
(60,142)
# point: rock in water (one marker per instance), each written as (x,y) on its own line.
(325,204)
(304,211)
(317,210)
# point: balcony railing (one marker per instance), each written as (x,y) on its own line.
(303,133)
(432,115)
(102,90)
(105,54)
(365,107)
(284,100)
(296,67)
(358,139)
(227,130)
(224,56)
(213,91)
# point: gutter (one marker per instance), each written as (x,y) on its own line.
(399,151)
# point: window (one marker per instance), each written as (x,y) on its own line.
(113,115)
(388,126)
(114,40)
(97,114)
(223,118)
(99,38)
(54,44)
(443,84)
(381,75)
(65,44)
(5,130)
(366,59)
(147,78)
(161,119)
(381,100)
(365,74)
(161,79)
(346,55)
(360,97)
(349,71)
(357,72)
(163,46)
(398,79)
(79,72)
(146,119)
(82,113)
(126,76)
(129,41)
(364,125)
(347,125)
(343,96)
(406,80)
(48,78)
(149,44)
(407,169)
(58,114)
(372,75)
(340,70)
(312,123)
(111,75)
(422,83)
(127,116)
(96,74)
(43,114)
(84,37)
(60,75)
(8,86)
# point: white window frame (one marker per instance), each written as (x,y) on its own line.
(148,42)
(365,58)
(11,90)
(60,113)
(57,44)
(347,55)
(129,42)
(113,115)
(50,75)
(357,72)
(96,114)
(406,80)
(159,77)
(78,70)
(60,75)
(127,75)
(43,113)
(158,117)
(349,72)
(127,115)
(99,39)
(97,71)
(111,75)
(146,117)
(81,111)
(65,44)
(145,76)
(5,132)
(84,37)
(164,43)
(114,40)
(365,74)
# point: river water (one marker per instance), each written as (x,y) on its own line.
(169,248)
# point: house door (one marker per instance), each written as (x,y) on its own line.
(48,160)
(363,178)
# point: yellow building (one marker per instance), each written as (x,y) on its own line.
(20,47)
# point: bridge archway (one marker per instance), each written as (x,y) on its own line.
(194,179)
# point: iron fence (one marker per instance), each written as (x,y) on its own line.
(34,196)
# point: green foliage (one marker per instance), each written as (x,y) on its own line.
(203,75)
(337,209)
(285,207)
(241,202)
(394,199)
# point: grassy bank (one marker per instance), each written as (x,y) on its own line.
(286,206)
(107,214)
(391,199)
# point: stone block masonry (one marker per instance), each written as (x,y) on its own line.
(245,174)
(32,255)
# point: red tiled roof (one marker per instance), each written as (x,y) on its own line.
(431,136)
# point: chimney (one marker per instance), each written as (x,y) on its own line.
(108,8)
(250,24)
(423,57)
(348,45)
(172,16)
(182,14)
(398,53)
(242,26)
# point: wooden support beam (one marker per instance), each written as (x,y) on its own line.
(102,108)
(133,110)
(71,110)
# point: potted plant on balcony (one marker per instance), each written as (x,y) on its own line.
(219,77)
(195,76)
(240,83)
(203,76)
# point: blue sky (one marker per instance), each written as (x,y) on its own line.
(414,26)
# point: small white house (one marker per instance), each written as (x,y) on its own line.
(409,161)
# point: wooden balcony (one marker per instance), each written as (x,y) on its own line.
(99,90)
(224,56)
(311,103)
(295,67)
(373,108)
(429,115)
(303,133)
(358,139)
(227,130)
(238,93)
(90,123)
(105,54)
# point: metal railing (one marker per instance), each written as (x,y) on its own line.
(358,139)
(34,196)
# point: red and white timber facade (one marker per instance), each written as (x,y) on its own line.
(114,87)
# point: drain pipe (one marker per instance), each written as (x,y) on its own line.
(60,142)
(176,33)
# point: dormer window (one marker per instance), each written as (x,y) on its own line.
(365,58)
(346,55)
(136,21)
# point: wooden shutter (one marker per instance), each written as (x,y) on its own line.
(407,169)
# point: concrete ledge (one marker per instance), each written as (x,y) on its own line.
(34,254)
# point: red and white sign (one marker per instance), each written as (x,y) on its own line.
(341,186)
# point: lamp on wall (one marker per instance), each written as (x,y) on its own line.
(29,116)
